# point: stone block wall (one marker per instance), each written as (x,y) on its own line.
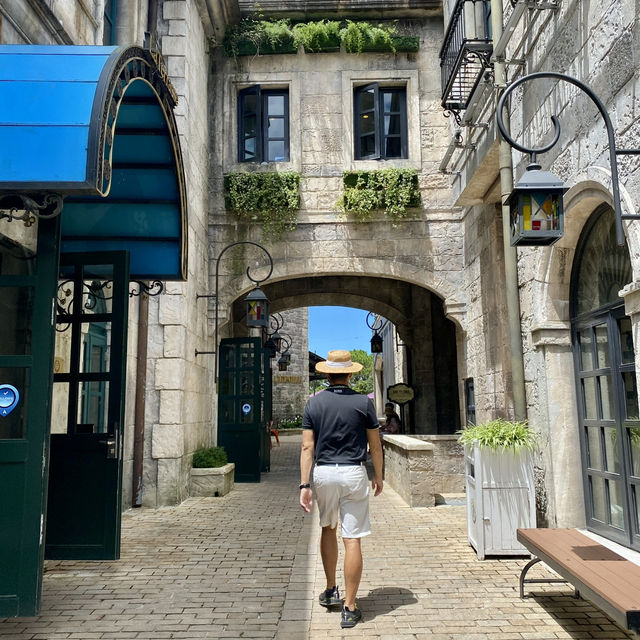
(291,387)
(179,411)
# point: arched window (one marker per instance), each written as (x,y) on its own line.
(606,382)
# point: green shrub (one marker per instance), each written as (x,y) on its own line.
(499,434)
(316,36)
(389,190)
(209,457)
(357,36)
(270,198)
(265,36)
(291,423)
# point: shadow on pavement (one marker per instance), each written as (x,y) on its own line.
(385,600)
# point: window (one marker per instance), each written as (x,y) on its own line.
(109,29)
(263,125)
(380,122)
(470,401)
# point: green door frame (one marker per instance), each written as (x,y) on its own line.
(85,479)
(24,460)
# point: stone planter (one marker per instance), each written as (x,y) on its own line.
(211,482)
(500,500)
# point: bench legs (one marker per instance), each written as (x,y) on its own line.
(523,581)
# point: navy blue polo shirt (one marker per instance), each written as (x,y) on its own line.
(339,418)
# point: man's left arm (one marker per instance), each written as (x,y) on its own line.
(375,447)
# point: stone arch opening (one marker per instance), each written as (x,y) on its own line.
(432,341)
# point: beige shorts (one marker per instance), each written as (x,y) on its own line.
(342,494)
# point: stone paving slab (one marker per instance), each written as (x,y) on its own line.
(246,565)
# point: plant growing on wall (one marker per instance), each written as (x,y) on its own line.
(388,190)
(317,36)
(258,36)
(251,36)
(271,198)
(359,36)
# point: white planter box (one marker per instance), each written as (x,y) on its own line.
(500,500)
(215,481)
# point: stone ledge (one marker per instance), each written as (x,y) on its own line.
(408,442)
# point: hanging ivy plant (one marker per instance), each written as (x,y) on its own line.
(271,198)
(388,190)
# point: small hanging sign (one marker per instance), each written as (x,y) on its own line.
(9,398)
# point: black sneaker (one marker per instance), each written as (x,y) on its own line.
(350,618)
(330,598)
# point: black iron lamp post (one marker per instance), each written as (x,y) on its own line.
(257,302)
(376,340)
(540,194)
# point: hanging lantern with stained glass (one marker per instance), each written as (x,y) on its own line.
(536,208)
(257,308)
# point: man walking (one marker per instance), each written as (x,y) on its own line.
(336,427)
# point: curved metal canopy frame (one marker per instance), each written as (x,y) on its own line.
(95,126)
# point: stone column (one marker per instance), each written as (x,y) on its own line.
(561,442)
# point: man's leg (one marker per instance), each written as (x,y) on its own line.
(329,554)
(352,570)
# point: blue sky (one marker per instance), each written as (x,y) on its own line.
(338,328)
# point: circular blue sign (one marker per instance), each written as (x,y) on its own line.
(9,398)
(246,408)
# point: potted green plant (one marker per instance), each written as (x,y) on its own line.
(500,486)
(211,473)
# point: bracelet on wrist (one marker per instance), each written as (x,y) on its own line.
(305,485)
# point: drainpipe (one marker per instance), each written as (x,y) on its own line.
(510,255)
(141,383)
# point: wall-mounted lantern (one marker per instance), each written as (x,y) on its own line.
(257,308)
(536,208)
(376,343)
(376,340)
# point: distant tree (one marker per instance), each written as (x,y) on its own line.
(362,382)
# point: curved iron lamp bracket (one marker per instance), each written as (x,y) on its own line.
(373,326)
(216,296)
(613,151)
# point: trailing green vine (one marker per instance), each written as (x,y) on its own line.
(271,198)
(390,190)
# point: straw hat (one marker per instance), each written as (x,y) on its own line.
(338,361)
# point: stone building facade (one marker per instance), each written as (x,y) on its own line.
(441,274)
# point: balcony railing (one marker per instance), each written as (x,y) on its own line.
(465,52)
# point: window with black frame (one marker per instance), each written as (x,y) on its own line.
(263,125)
(109,30)
(380,122)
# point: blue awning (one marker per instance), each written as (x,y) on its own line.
(96,126)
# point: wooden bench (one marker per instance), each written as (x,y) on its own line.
(598,574)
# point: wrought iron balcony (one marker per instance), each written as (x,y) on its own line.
(465,53)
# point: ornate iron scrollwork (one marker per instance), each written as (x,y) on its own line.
(147,289)
(94,291)
(33,207)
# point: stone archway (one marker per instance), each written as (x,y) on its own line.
(433,341)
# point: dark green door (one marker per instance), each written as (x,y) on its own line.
(27,294)
(85,474)
(240,423)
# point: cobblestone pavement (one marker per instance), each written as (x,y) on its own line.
(247,566)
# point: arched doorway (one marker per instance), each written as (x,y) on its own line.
(609,418)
